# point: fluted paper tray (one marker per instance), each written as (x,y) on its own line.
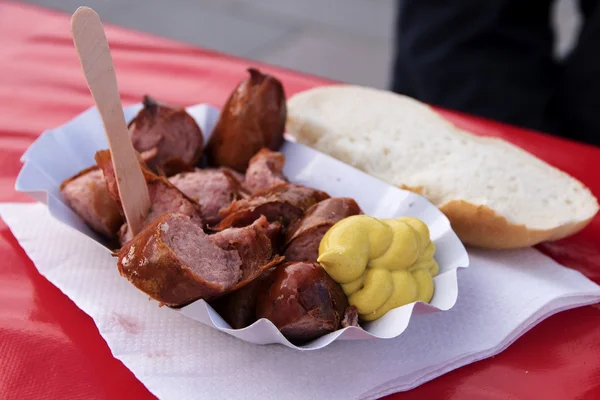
(62,152)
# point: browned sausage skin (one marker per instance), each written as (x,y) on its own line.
(252,118)
(256,244)
(171,132)
(213,188)
(174,262)
(284,203)
(302,301)
(304,236)
(87,195)
(164,197)
(265,171)
(238,308)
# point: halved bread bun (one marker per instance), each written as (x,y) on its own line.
(495,194)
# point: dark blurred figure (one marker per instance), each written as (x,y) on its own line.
(495,59)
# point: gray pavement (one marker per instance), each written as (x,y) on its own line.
(346,40)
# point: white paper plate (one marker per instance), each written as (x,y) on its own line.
(62,152)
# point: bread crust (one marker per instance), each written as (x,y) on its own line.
(480,226)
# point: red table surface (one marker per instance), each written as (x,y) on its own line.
(51,349)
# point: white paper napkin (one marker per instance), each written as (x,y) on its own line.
(502,295)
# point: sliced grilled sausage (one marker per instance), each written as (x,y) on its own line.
(238,308)
(87,195)
(256,245)
(213,188)
(265,171)
(252,118)
(304,236)
(169,131)
(174,262)
(283,203)
(302,301)
(164,197)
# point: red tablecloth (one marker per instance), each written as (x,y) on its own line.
(50,349)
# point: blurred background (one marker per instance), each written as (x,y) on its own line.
(346,40)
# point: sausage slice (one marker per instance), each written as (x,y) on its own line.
(256,244)
(265,170)
(284,203)
(213,188)
(304,236)
(252,118)
(302,301)
(164,197)
(87,195)
(169,131)
(174,262)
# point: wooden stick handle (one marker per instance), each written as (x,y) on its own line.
(96,61)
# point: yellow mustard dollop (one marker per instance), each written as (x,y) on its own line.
(381,264)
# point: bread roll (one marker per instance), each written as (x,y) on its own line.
(495,194)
